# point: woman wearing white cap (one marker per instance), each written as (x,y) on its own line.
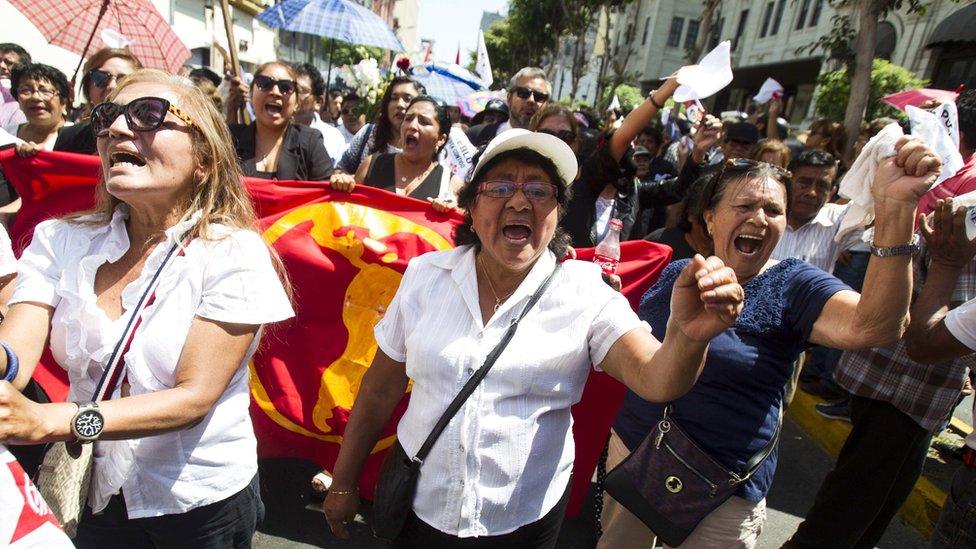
(499,472)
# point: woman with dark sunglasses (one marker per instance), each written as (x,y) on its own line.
(735,409)
(174,454)
(102,73)
(607,187)
(272,147)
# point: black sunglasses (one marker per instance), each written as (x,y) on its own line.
(266,83)
(100,78)
(568,136)
(523,93)
(145,114)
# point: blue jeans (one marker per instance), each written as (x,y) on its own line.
(957,521)
(823,360)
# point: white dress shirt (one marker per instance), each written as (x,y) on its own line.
(335,143)
(505,459)
(961,323)
(227,279)
(814,241)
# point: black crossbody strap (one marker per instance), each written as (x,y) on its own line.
(476,378)
(755,461)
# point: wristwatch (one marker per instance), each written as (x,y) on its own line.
(911,248)
(88,422)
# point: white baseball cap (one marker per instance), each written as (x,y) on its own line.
(549,146)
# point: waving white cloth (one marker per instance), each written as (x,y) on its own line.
(710,75)
(929,127)
(771,89)
(856,184)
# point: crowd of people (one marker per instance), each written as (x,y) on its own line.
(769,291)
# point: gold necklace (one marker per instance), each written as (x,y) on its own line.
(498,301)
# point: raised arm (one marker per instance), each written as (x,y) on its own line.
(706,300)
(879,315)
(927,339)
(641,116)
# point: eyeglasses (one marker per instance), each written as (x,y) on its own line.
(101,79)
(145,114)
(43,93)
(523,93)
(568,136)
(536,191)
(266,83)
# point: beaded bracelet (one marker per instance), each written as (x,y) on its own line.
(343,492)
(13,363)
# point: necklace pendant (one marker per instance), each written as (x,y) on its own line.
(498,304)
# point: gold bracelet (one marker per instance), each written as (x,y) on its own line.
(343,492)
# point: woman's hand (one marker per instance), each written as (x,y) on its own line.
(443,205)
(23,421)
(908,175)
(343,182)
(27,150)
(707,298)
(340,510)
(708,135)
(945,236)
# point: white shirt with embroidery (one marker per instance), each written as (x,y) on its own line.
(229,278)
(505,459)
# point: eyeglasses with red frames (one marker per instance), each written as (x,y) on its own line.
(144,114)
(537,191)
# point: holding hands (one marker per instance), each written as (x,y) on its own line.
(707,299)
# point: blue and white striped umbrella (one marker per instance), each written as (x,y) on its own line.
(446,81)
(338,19)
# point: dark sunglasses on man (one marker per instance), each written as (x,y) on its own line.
(266,83)
(144,114)
(523,93)
(567,136)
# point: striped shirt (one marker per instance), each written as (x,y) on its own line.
(505,459)
(813,242)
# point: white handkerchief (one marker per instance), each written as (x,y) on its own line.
(710,75)
(771,89)
(115,39)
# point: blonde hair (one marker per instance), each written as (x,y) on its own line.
(218,191)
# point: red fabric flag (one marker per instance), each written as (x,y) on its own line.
(344,254)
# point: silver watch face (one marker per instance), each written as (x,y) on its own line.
(89,424)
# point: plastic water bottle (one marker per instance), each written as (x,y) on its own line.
(608,250)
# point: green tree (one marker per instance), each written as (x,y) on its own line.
(345,53)
(834,90)
(629,97)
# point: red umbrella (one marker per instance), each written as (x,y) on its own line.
(76,26)
(917,97)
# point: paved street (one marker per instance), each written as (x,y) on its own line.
(801,468)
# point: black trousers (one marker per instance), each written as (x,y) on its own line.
(229,523)
(874,474)
(541,534)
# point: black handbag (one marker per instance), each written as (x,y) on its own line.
(397,483)
(671,484)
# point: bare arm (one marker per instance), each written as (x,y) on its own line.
(634,122)
(211,356)
(927,338)
(879,315)
(705,301)
(25,329)
(381,390)
(363,170)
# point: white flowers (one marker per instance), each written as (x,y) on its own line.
(364,77)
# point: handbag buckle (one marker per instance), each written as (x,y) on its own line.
(417,461)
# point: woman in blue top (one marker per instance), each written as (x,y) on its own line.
(733,410)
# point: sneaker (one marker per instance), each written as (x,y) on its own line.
(840,410)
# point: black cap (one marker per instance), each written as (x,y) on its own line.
(743,132)
(206,74)
(497,105)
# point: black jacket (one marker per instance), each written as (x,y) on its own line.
(77,139)
(481,134)
(633,197)
(302,158)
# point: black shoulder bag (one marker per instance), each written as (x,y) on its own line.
(397,484)
(671,484)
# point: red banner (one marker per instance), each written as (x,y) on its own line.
(344,254)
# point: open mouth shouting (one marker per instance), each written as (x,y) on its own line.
(517,233)
(125,160)
(274,108)
(748,244)
(411,140)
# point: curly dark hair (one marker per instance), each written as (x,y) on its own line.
(40,71)
(314,76)
(813,157)
(383,126)
(464,234)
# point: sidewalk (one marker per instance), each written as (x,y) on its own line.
(921,509)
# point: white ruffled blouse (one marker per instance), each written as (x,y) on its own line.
(227,278)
